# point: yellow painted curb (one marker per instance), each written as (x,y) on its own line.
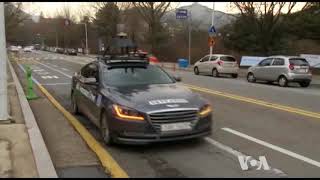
(106,159)
(258,102)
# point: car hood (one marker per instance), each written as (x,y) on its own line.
(149,98)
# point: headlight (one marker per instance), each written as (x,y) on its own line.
(205,110)
(127,113)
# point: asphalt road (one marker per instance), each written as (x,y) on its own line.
(288,141)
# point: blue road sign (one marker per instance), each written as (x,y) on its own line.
(212,30)
(182,14)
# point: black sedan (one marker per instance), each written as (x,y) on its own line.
(134,102)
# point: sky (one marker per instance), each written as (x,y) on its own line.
(50,8)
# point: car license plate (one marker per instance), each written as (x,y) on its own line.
(303,70)
(176,126)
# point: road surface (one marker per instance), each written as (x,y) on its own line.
(283,126)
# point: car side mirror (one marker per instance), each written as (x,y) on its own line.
(177,78)
(90,81)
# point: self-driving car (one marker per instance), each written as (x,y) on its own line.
(134,102)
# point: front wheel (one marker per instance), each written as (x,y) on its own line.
(304,84)
(104,130)
(251,78)
(196,71)
(75,109)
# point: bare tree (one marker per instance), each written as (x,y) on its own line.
(14,16)
(106,19)
(152,12)
(264,20)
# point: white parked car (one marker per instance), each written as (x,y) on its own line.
(14,49)
(28,49)
(217,64)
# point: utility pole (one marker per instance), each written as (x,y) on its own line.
(85,26)
(189,59)
(3,68)
(212,21)
(57,42)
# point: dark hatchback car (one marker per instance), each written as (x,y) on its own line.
(71,51)
(134,102)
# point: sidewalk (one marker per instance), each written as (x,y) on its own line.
(69,152)
(17,156)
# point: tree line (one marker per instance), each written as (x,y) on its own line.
(261,28)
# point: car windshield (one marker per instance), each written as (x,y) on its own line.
(299,62)
(130,76)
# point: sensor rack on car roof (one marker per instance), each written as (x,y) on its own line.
(122,60)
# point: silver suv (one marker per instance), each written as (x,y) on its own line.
(281,69)
(217,64)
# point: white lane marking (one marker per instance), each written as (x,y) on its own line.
(276,148)
(56,70)
(53,84)
(49,77)
(237,153)
(43,73)
(65,69)
(37,70)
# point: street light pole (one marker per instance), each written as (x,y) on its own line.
(212,21)
(85,26)
(3,68)
(189,60)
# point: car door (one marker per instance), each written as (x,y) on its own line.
(200,64)
(261,71)
(212,63)
(277,68)
(204,64)
(89,92)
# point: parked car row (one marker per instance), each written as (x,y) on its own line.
(68,51)
(280,69)
(18,48)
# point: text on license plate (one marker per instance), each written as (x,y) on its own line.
(176,126)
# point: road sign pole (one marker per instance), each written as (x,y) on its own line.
(3,68)
(212,22)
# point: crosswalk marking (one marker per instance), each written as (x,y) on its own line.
(49,77)
(42,73)
(65,69)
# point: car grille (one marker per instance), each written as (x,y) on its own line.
(159,118)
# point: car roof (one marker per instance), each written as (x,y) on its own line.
(284,56)
(220,55)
